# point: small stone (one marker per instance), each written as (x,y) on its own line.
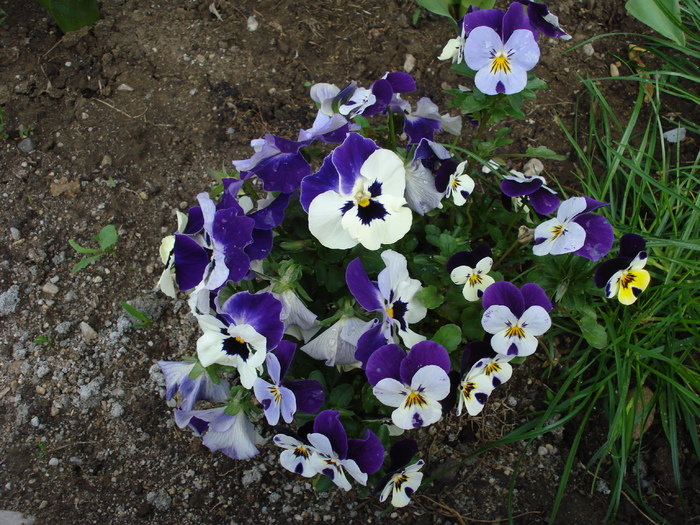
(26,145)
(97,279)
(43,504)
(252,24)
(106,161)
(410,63)
(542,451)
(588,50)
(15,233)
(143,195)
(9,300)
(40,390)
(53,462)
(88,332)
(533,167)
(34,421)
(125,87)
(50,288)
(614,71)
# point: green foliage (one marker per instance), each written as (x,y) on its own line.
(107,238)
(145,321)
(3,135)
(664,16)
(454,9)
(71,15)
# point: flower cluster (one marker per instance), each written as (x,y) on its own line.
(349,245)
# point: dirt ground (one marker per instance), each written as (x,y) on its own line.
(122,124)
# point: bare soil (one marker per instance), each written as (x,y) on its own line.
(126,121)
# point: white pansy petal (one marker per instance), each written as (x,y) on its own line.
(535,320)
(433,382)
(325,221)
(390,392)
(386,167)
(570,208)
(417,415)
(210,349)
(497,318)
(460,274)
(482,42)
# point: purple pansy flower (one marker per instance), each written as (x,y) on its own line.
(429,160)
(246,328)
(515,317)
(335,454)
(624,276)
(393,294)
(543,199)
(426,120)
(414,383)
(501,53)
(231,434)
(575,230)
(455,183)
(471,268)
(176,375)
(544,21)
(401,480)
(278,163)
(357,197)
(286,397)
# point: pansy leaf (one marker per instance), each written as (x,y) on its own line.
(430,297)
(543,152)
(594,334)
(341,396)
(107,236)
(85,261)
(322,483)
(449,336)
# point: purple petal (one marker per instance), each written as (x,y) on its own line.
(366,292)
(369,342)
(349,157)
(328,423)
(283,172)
(543,20)
(419,128)
(261,245)
(492,18)
(401,453)
(272,215)
(383,92)
(534,295)
(470,259)
(309,394)
(191,261)
(325,179)
(504,293)
(544,201)
(385,362)
(515,18)
(284,354)
(401,82)
(261,311)
(474,351)
(423,354)
(368,452)
(609,268)
(592,204)
(631,244)
(514,188)
(599,236)
(195,221)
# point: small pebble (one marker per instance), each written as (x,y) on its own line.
(40,390)
(53,462)
(409,63)
(88,332)
(125,87)
(588,50)
(614,71)
(50,288)
(542,451)
(26,145)
(252,24)
(34,421)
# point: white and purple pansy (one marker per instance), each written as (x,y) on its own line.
(414,383)
(402,478)
(177,378)
(335,455)
(515,317)
(575,230)
(543,199)
(284,398)
(455,184)
(296,456)
(429,158)
(246,328)
(470,269)
(501,48)
(393,294)
(357,197)
(337,344)
(624,276)
(233,435)
(426,120)
(277,162)
(482,370)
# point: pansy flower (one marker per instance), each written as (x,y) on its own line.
(402,478)
(624,276)
(544,21)
(543,199)
(501,49)
(277,162)
(429,159)
(338,343)
(177,378)
(297,454)
(457,184)
(482,370)
(471,270)
(335,455)
(246,328)
(394,295)
(233,435)
(357,197)
(575,230)
(515,317)
(414,383)
(426,120)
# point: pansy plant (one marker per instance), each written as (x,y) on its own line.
(624,276)
(470,269)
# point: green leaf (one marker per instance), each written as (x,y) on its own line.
(145,321)
(543,152)
(322,483)
(449,336)
(341,396)
(439,7)
(593,333)
(107,237)
(3,16)
(85,261)
(662,16)
(80,249)
(72,14)
(430,297)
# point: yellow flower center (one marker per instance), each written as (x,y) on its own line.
(467,389)
(491,368)
(275,392)
(240,340)
(390,312)
(475,279)
(558,231)
(415,398)
(627,279)
(500,64)
(362,199)
(515,331)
